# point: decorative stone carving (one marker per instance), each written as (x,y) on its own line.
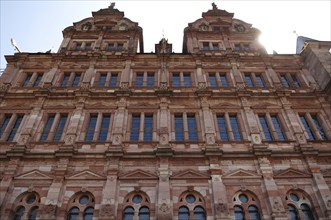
(264,160)
(163,85)
(50,209)
(202,86)
(124,85)
(256,139)
(106,210)
(69,139)
(210,138)
(24,138)
(117,139)
(85,86)
(222,208)
(121,102)
(4,87)
(276,205)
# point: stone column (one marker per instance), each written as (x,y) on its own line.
(273,202)
(164,203)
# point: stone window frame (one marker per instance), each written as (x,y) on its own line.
(199,131)
(115,46)
(86,121)
(142,114)
(252,200)
(315,132)
(288,76)
(145,74)
(268,117)
(208,45)
(240,121)
(219,82)
(29,78)
(199,201)
(303,198)
(128,202)
(82,45)
(13,118)
(252,75)
(21,201)
(71,78)
(54,126)
(242,47)
(74,202)
(109,75)
(181,81)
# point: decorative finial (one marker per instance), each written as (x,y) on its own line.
(214,6)
(112,5)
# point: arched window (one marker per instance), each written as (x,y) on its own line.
(28,203)
(81,206)
(308,215)
(253,212)
(73,213)
(19,213)
(33,213)
(88,213)
(199,213)
(293,212)
(239,213)
(144,213)
(299,205)
(137,206)
(128,213)
(246,206)
(183,213)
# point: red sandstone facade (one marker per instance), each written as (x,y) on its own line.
(222,130)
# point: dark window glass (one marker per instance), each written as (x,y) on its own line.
(254,213)
(88,46)
(222,128)
(243,198)
(91,128)
(187,79)
(33,213)
(148,128)
(205,45)
(294,197)
(144,213)
(113,80)
(31,198)
(120,46)
(4,124)
(265,128)
(237,47)
(27,80)
(183,213)
(248,80)
(216,29)
(319,127)
(110,47)
(296,83)
(150,79)
(19,213)
(235,128)
(175,80)
(128,213)
(215,46)
(239,213)
(104,127)
(78,46)
(199,213)
(192,128)
(307,213)
(137,199)
(139,79)
(47,128)
(60,128)
(277,127)
(307,128)
(135,128)
(179,128)
(76,80)
(190,198)
(284,81)
(224,81)
(293,212)
(212,80)
(88,213)
(37,81)
(247,47)
(73,214)
(259,81)
(65,80)
(102,80)
(15,128)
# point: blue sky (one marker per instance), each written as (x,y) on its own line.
(37,26)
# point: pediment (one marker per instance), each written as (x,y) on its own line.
(86,175)
(34,175)
(242,174)
(291,173)
(264,105)
(138,175)
(190,174)
(225,105)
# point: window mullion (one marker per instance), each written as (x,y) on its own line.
(185,126)
(271,127)
(97,127)
(141,126)
(312,126)
(53,127)
(228,126)
(9,127)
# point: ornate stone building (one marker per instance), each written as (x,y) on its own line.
(223,130)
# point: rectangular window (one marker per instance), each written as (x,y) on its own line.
(175,80)
(235,128)
(212,80)
(278,129)
(65,80)
(215,46)
(37,80)
(205,45)
(259,81)
(179,128)
(290,80)
(224,80)
(139,79)
(248,80)
(27,80)
(78,46)
(54,127)
(295,81)
(120,46)
(148,128)
(110,47)
(187,79)
(113,80)
(60,128)
(237,47)
(192,128)
(313,127)
(76,80)
(70,79)
(319,127)
(150,79)
(247,47)
(222,128)
(47,128)
(102,79)
(98,127)
(307,128)
(265,128)
(284,81)
(135,127)
(9,127)
(88,46)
